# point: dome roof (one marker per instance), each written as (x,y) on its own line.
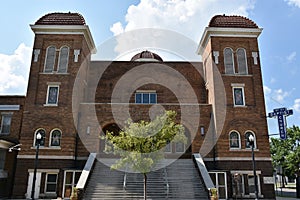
(232,22)
(61,19)
(146,55)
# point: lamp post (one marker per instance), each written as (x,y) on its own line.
(38,140)
(251,142)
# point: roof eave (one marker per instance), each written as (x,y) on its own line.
(226,32)
(67,29)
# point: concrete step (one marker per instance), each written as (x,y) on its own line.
(180,180)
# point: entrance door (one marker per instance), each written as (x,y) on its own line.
(37,185)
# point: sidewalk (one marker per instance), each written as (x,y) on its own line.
(286,194)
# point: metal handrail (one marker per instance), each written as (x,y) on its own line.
(167,182)
(125,181)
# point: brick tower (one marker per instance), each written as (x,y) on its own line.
(62,44)
(230,55)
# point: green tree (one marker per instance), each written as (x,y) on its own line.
(141,145)
(286,153)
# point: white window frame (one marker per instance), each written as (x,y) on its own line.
(239,140)
(46,182)
(215,173)
(246,63)
(59,61)
(243,95)
(145,92)
(255,145)
(73,184)
(232,59)
(53,60)
(50,138)
(34,139)
(47,100)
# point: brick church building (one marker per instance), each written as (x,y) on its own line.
(227,86)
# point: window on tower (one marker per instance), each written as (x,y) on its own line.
(52,95)
(55,138)
(63,60)
(229,61)
(234,140)
(242,61)
(238,96)
(50,59)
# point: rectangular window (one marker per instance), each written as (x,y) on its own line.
(52,95)
(238,96)
(220,181)
(145,98)
(51,182)
(70,181)
(5,124)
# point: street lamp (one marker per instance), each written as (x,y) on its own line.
(38,140)
(251,142)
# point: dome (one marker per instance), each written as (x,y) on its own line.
(231,22)
(61,19)
(146,56)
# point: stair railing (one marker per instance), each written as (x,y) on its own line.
(210,187)
(85,175)
(125,181)
(167,182)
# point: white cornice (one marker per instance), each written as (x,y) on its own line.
(66,29)
(9,107)
(226,32)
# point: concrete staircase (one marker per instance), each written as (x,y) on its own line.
(180,180)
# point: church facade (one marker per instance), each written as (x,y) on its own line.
(70,106)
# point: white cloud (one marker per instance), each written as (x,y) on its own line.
(14,71)
(293,2)
(280,95)
(291,57)
(188,17)
(296,105)
(267,90)
(117,28)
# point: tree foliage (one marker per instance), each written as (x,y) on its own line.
(286,153)
(141,145)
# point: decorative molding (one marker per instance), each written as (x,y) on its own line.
(76,54)
(216,55)
(255,56)
(36,53)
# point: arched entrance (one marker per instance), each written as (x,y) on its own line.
(108,128)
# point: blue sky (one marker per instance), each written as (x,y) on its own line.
(279,43)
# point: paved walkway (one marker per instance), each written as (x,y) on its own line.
(286,194)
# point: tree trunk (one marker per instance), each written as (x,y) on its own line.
(145,186)
(298,186)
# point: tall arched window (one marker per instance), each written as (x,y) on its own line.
(43,134)
(63,59)
(242,61)
(234,140)
(228,61)
(247,144)
(50,59)
(55,137)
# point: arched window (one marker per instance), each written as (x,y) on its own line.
(55,137)
(242,61)
(50,59)
(228,61)
(234,140)
(63,59)
(247,143)
(43,134)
